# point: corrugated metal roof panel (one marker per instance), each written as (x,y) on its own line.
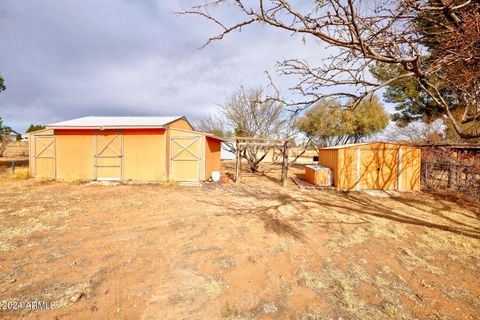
(347,145)
(353,145)
(94,122)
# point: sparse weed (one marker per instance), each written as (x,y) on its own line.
(346,293)
(391,311)
(214,287)
(21,174)
(74,181)
(226,262)
(311,280)
(412,261)
(169,184)
(229,310)
(45,180)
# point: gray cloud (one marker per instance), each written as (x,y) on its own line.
(65,59)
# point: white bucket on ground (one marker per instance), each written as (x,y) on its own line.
(215,176)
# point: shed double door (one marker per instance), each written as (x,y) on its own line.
(377,168)
(108,155)
(186,158)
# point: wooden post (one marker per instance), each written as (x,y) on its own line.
(237,162)
(285,165)
(426,174)
(458,176)
(450,175)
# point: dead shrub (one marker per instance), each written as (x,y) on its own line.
(21,174)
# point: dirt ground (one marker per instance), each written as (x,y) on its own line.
(248,251)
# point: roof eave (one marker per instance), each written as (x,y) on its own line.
(215,137)
(103,127)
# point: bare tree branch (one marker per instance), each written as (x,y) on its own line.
(363,34)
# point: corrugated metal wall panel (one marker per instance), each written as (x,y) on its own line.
(75,156)
(410,172)
(329,158)
(347,169)
(144,155)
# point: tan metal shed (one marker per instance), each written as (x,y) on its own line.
(124,149)
(373,166)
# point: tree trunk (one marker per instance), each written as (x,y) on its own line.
(285,165)
(3,146)
(238,162)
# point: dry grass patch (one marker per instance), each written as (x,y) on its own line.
(169,184)
(214,287)
(411,261)
(341,290)
(392,288)
(365,228)
(282,246)
(73,293)
(465,249)
(313,314)
(26,228)
(236,316)
(41,219)
(43,181)
(27,211)
(269,308)
(74,182)
(61,294)
(226,262)
(21,174)
(136,203)
(313,280)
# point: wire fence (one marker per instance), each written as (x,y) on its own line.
(441,174)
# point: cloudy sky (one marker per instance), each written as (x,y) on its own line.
(67,59)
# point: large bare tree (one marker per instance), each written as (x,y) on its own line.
(247,113)
(416,132)
(365,33)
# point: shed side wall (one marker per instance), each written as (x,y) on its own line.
(329,158)
(212,156)
(31,164)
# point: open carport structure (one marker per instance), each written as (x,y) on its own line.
(124,149)
(373,166)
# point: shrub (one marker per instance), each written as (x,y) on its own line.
(21,174)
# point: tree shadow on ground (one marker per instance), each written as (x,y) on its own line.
(363,205)
(272,172)
(348,203)
(269,214)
